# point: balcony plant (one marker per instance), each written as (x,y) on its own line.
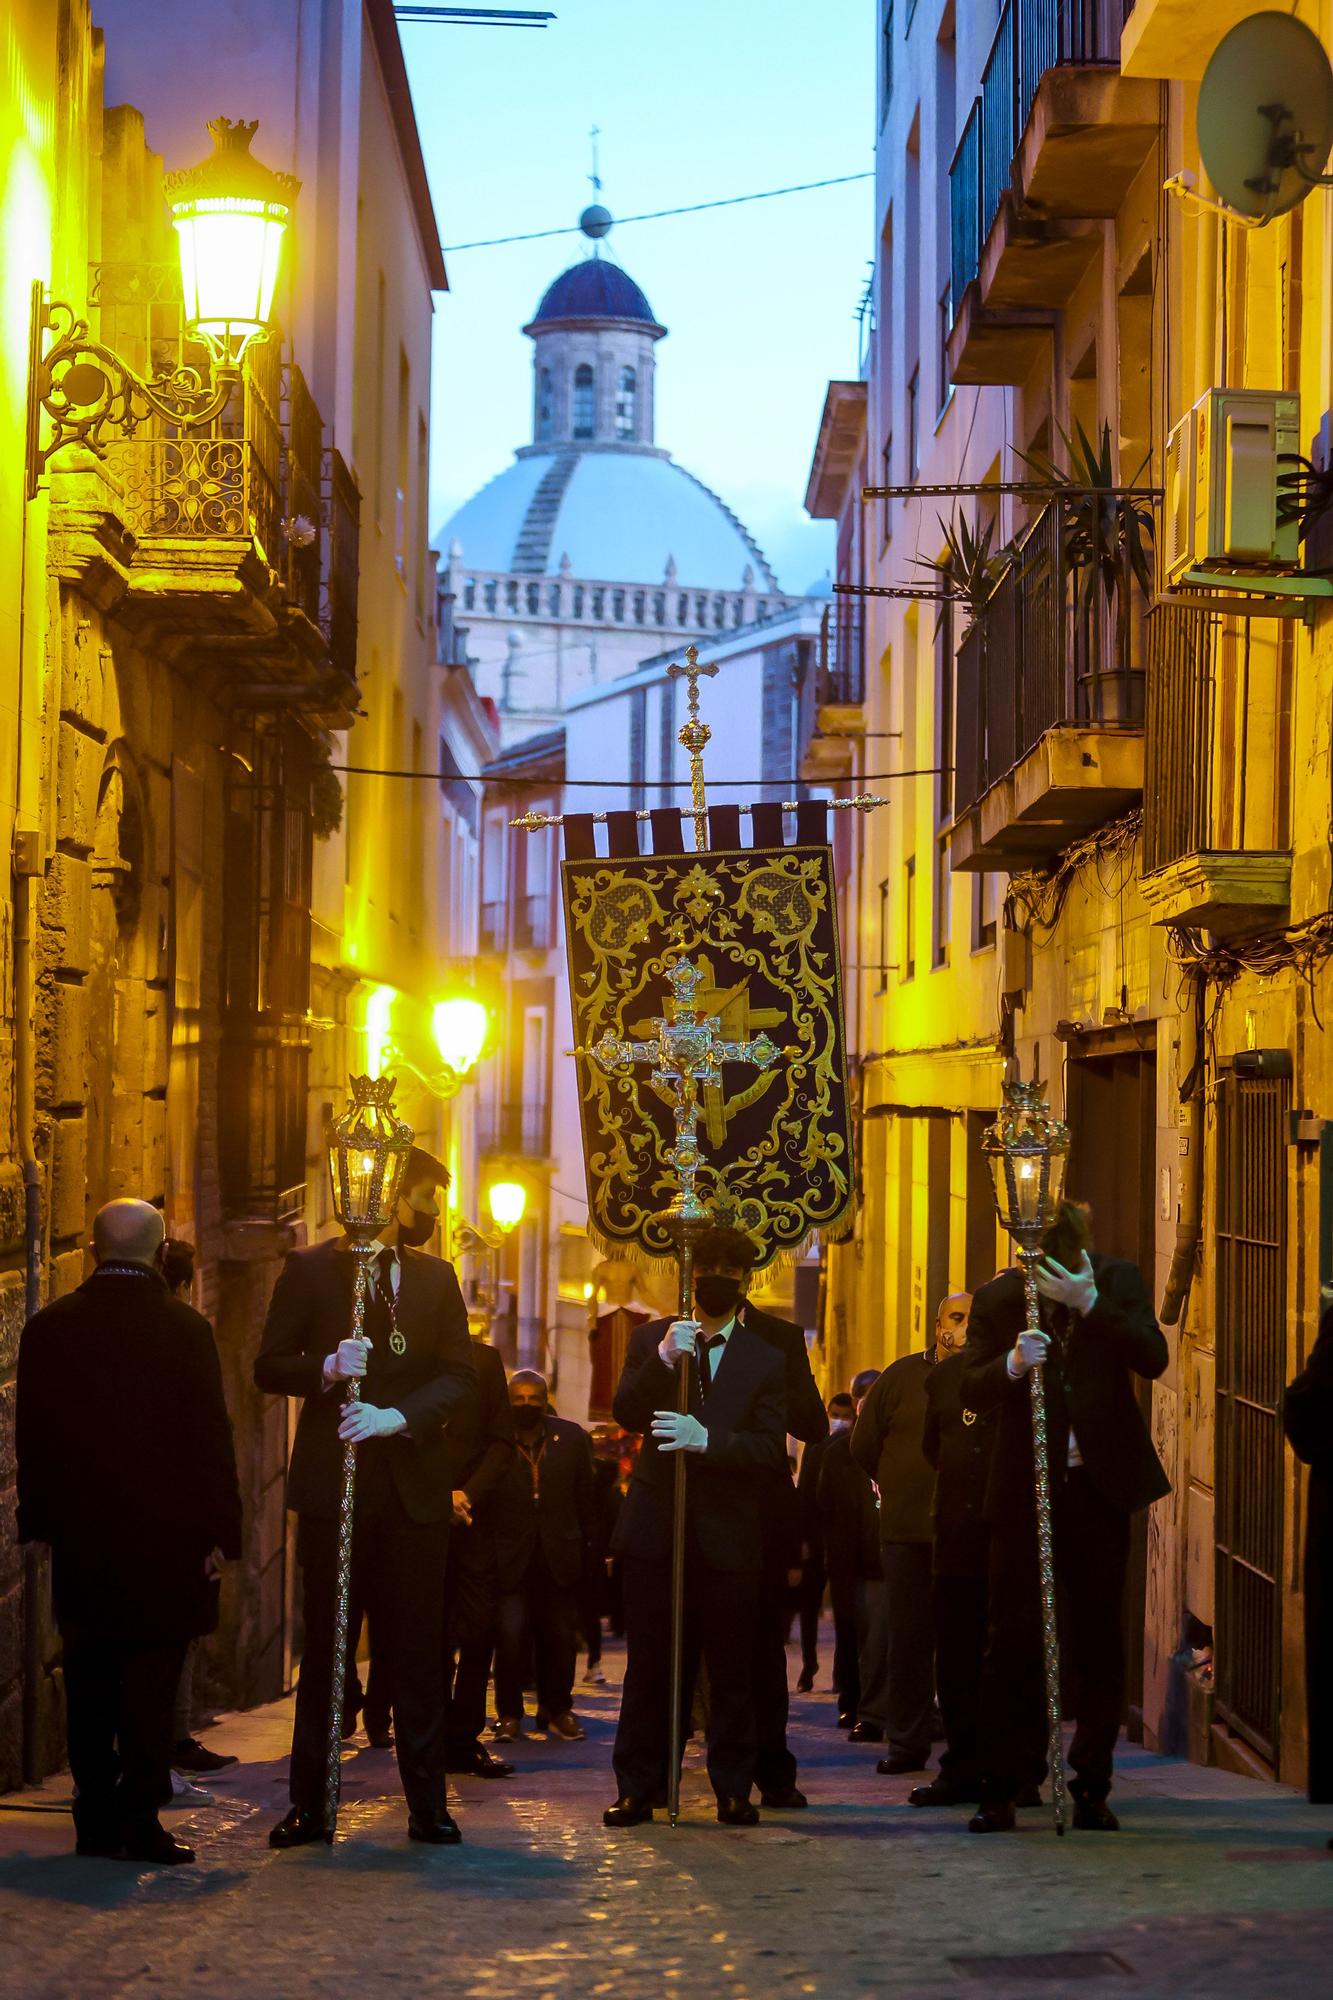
(971,565)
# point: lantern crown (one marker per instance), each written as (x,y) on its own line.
(368,1149)
(1027,1151)
(231,172)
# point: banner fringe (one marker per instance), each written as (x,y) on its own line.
(785,1259)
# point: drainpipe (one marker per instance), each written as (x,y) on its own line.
(27,864)
(1190,1213)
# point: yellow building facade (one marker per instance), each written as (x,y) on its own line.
(1111,868)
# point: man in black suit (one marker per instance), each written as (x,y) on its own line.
(719,1284)
(886,1443)
(849,1534)
(1097,1332)
(735,1435)
(814,1575)
(416,1369)
(957,1443)
(126,1468)
(543,1526)
(480,1453)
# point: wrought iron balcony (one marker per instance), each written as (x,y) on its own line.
(515,1131)
(1048,734)
(1052,141)
(532,929)
(493,935)
(833,685)
(1216,834)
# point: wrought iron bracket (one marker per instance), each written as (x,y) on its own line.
(86,390)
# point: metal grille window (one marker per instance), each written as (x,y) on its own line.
(1251,1358)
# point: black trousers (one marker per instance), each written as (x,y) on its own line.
(810,1602)
(720,1618)
(471,1618)
(407,1559)
(958,1613)
(846,1645)
(538,1620)
(910,1658)
(1091,1541)
(775,1766)
(120,1704)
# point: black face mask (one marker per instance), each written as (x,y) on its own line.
(527,1416)
(716,1294)
(411,1235)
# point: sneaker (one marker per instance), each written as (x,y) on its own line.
(191,1755)
(185,1794)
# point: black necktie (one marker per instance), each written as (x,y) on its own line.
(707,1356)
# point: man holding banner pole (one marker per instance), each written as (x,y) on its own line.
(733,1431)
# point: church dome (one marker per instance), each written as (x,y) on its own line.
(594,289)
(619,517)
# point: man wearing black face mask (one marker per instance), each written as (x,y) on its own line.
(544,1522)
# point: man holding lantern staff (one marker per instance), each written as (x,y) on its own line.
(415,1371)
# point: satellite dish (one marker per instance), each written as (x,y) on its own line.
(1265,117)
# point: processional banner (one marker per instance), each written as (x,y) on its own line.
(760,924)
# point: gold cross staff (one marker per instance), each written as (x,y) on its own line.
(695,737)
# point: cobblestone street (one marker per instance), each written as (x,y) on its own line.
(1217,1886)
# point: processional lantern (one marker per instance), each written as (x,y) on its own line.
(1027,1151)
(368,1149)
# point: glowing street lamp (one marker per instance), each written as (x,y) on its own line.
(460,1025)
(507,1201)
(231,215)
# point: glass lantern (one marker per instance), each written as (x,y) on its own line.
(1027,1152)
(231,215)
(460,1025)
(368,1149)
(507,1201)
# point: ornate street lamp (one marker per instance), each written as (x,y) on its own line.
(231,215)
(506,1200)
(460,1026)
(368,1149)
(1027,1151)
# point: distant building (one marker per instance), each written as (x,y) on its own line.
(594,547)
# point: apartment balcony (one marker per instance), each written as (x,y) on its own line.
(235,549)
(1051,146)
(1217,853)
(533,926)
(1049,734)
(514,1131)
(832,697)
(1174,38)
(493,929)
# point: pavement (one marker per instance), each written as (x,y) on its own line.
(1216,1886)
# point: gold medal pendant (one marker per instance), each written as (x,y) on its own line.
(397,1342)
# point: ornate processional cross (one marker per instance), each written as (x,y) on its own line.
(685,1053)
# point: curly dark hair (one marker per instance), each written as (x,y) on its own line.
(718,1249)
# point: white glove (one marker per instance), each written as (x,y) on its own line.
(1076,1289)
(1028,1351)
(347,1361)
(676,1432)
(362,1420)
(681,1338)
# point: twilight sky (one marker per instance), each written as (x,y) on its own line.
(696,100)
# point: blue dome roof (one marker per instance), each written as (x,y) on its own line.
(595,289)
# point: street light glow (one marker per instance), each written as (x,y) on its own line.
(230,214)
(460,1025)
(507,1200)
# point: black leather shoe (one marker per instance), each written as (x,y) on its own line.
(846,1721)
(737,1812)
(992,1819)
(1094,1816)
(898,1763)
(439,1832)
(297,1829)
(865,1732)
(789,1801)
(805,1680)
(939,1792)
(155,1844)
(476,1759)
(627,1812)
(379,1739)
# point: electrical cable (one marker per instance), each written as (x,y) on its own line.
(659,214)
(612,784)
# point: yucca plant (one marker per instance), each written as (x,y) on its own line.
(1108,535)
(971,565)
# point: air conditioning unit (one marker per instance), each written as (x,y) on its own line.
(1222,466)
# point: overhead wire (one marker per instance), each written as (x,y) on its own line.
(660,214)
(610,784)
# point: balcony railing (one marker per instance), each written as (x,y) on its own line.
(340,528)
(532,923)
(565,600)
(520,1130)
(840,676)
(298,557)
(1178,768)
(195,488)
(494,927)
(1031,37)
(1042,658)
